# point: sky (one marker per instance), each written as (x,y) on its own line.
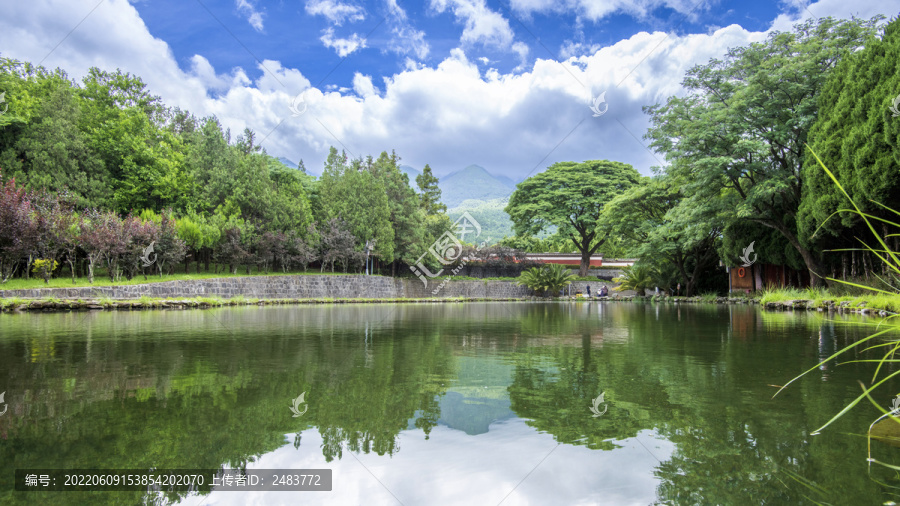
(508,85)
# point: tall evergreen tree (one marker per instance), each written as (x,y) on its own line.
(857,136)
(430,192)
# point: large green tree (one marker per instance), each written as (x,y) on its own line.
(56,155)
(739,133)
(406,216)
(661,225)
(571,196)
(349,192)
(857,136)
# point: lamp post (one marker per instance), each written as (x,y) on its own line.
(370,245)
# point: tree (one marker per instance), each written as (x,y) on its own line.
(571,196)
(407,218)
(858,138)
(353,194)
(231,250)
(56,153)
(140,234)
(16,227)
(290,204)
(739,134)
(430,192)
(170,248)
(99,235)
(338,245)
(662,226)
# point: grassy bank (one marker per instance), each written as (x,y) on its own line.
(103,280)
(36,283)
(54,304)
(822,298)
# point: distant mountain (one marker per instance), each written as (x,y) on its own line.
(493,220)
(289,163)
(412,173)
(473,183)
(507,181)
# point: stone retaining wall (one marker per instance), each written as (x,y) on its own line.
(293,287)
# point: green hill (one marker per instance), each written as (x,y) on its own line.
(495,223)
(473,183)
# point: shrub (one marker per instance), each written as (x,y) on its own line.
(638,277)
(546,279)
(44,267)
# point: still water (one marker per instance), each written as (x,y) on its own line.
(445,404)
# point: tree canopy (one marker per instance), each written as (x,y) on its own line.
(739,134)
(571,196)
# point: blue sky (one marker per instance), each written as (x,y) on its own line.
(506,85)
(292,32)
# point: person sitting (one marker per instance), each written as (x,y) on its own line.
(604,292)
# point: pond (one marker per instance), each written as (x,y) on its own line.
(453,403)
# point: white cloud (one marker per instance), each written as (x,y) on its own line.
(571,48)
(521,49)
(363,86)
(335,11)
(406,38)
(484,469)
(448,115)
(342,46)
(594,10)
(835,8)
(254,17)
(482,25)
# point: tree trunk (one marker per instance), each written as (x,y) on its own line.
(585,262)
(812,264)
(71,261)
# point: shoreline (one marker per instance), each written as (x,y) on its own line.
(60,305)
(50,304)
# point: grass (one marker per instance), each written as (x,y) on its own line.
(884,342)
(10,303)
(709,297)
(818,297)
(102,280)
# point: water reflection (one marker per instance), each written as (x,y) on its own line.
(445,403)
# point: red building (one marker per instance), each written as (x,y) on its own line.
(759,276)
